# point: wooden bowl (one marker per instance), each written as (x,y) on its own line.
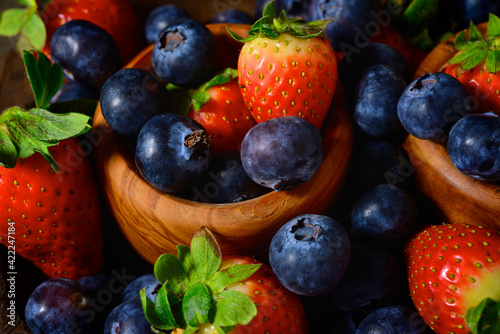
(457,197)
(155,222)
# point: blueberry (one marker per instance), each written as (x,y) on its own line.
(185,53)
(160,18)
(387,213)
(173,152)
(393,319)
(431,104)
(349,20)
(60,305)
(87,53)
(232,16)
(72,90)
(372,278)
(132,290)
(127,318)
(292,8)
(474,146)
(381,162)
(377,95)
(282,152)
(130,97)
(356,62)
(94,283)
(227,182)
(310,254)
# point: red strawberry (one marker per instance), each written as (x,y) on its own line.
(477,64)
(452,268)
(115,16)
(50,213)
(219,107)
(287,68)
(56,216)
(201,292)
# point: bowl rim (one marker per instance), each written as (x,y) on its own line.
(239,28)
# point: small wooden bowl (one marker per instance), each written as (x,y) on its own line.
(155,222)
(457,197)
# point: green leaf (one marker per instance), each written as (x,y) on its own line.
(221,78)
(184,256)
(8,151)
(269,12)
(168,307)
(233,307)
(231,275)
(474,34)
(419,13)
(484,318)
(474,57)
(28,3)
(11,21)
(493,61)
(470,58)
(46,79)
(37,129)
(33,33)
(170,272)
(462,43)
(190,330)
(44,125)
(196,304)
(199,99)
(206,253)
(493,26)
(150,313)
(271,27)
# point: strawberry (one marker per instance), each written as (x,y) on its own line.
(476,65)
(202,292)
(219,107)
(287,67)
(115,16)
(57,216)
(451,269)
(50,213)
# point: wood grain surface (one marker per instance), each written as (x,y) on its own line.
(155,222)
(457,197)
(15,89)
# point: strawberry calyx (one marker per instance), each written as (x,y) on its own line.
(200,97)
(272,27)
(484,318)
(476,48)
(183,99)
(194,289)
(24,132)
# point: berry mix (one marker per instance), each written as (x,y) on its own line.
(372,264)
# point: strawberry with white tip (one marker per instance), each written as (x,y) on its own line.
(453,277)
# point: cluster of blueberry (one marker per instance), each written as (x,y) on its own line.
(435,106)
